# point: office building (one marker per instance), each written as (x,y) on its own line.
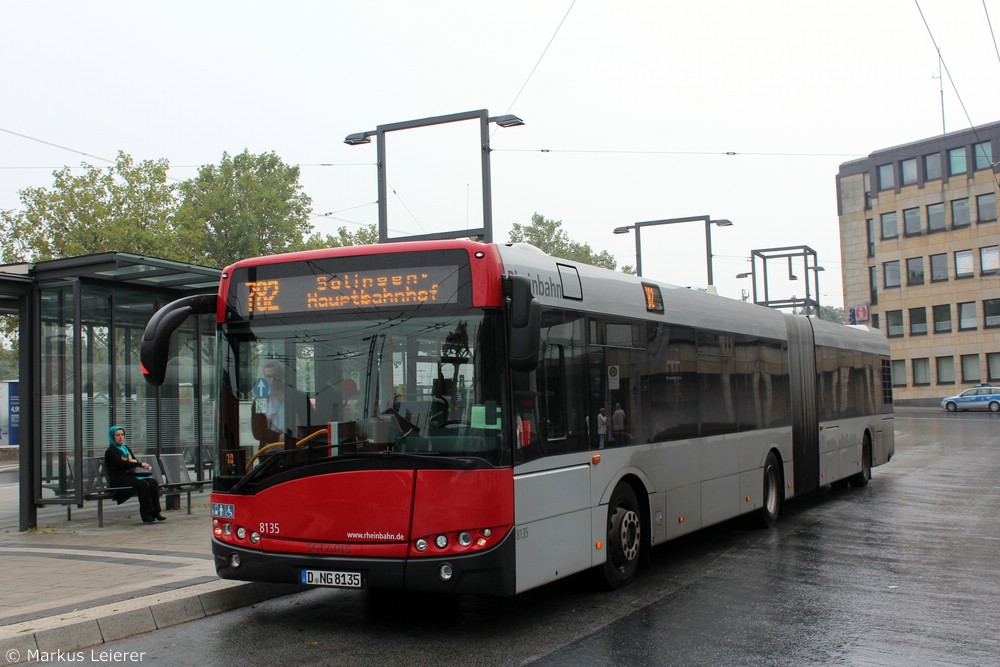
(919,241)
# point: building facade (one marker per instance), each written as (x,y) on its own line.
(919,240)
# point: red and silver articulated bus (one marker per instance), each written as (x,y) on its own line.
(458,417)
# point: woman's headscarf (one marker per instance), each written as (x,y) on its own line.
(111,433)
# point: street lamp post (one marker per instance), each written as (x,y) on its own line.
(637,227)
(486,231)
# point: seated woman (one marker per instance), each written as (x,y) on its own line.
(124,470)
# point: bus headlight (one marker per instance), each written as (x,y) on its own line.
(241,533)
(441,541)
(421,544)
(446,572)
(464,539)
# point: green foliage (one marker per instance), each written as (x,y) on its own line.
(9,369)
(246,206)
(362,236)
(549,236)
(831,314)
(126,207)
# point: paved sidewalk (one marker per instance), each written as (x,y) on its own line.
(70,584)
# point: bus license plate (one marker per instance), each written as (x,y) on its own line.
(335,578)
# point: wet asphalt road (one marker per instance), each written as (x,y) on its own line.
(903,572)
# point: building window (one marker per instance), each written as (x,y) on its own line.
(898,367)
(942,318)
(993,366)
(932,166)
(967,316)
(911,221)
(984,155)
(894,323)
(915,271)
(890,271)
(963,264)
(870,230)
(960,213)
(908,171)
(935,217)
(918,321)
(875,321)
(945,370)
(956,161)
(921,371)
(939,267)
(970,368)
(873,285)
(890,226)
(991,313)
(989,259)
(886,179)
(986,208)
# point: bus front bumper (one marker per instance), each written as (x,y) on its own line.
(487,573)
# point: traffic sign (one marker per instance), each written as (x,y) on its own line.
(261,388)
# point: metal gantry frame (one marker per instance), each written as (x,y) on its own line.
(637,228)
(486,231)
(793,257)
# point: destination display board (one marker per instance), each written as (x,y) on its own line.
(326,286)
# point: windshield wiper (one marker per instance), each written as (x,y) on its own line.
(268,460)
(458,462)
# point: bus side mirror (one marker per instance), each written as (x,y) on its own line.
(155,348)
(524,318)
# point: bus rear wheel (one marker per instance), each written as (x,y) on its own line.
(624,541)
(773,492)
(862,478)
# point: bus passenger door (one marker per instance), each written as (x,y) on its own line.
(552,519)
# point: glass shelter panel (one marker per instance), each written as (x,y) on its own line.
(96,378)
(57,388)
(135,399)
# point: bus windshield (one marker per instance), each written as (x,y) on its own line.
(408,383)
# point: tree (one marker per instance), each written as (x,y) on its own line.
(832,314)
(548,235)
(125,207)
(246,206)
(362,236)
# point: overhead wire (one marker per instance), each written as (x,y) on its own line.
(648,152)
(992,32)
(951,79)
(330,215)
(537,62)
(55,145)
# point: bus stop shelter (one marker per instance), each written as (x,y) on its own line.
(80,326)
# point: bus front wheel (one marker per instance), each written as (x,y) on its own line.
(624,541)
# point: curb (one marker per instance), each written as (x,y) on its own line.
(40,638)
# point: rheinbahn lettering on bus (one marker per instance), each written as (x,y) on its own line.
(458,417)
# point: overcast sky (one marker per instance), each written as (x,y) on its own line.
(632,108)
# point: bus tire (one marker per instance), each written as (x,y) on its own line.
(862,478)
(773,492)
(624,539)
